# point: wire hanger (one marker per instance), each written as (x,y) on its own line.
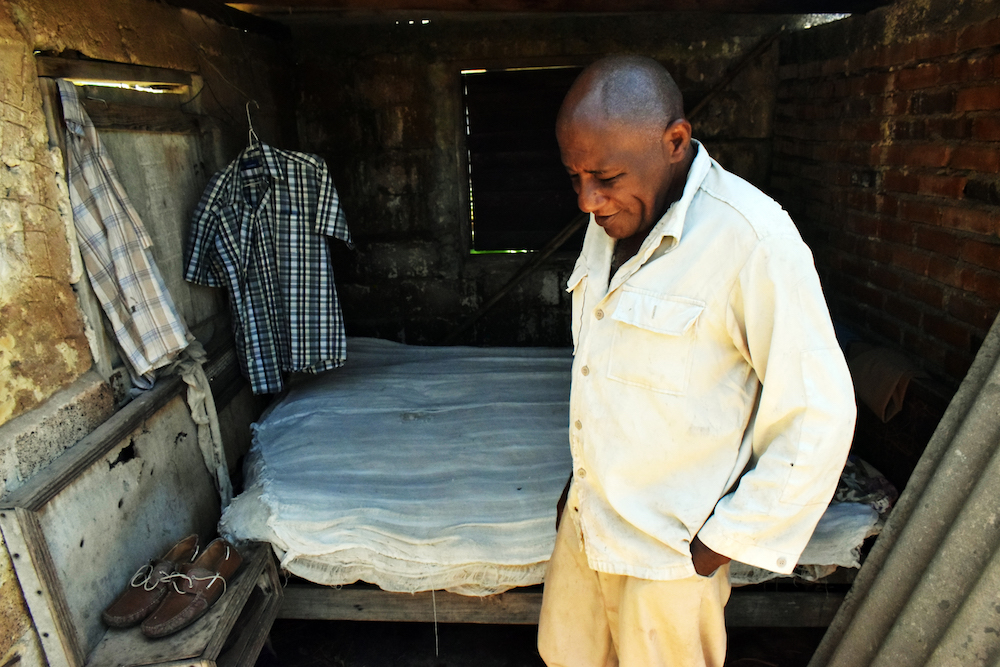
(252,138)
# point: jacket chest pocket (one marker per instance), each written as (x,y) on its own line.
(652,342)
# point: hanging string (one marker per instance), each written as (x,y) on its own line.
(437,651)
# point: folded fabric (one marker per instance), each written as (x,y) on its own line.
(413,468)
(881,377)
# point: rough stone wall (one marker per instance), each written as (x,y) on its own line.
(887,153)
(381,102)
(42,344)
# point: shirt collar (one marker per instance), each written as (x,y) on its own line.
(672,223)
(272,164)
(269,156)
(73,113)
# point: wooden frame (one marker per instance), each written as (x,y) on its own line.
(78,529)
(520,606)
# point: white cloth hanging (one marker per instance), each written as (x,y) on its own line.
(116,251)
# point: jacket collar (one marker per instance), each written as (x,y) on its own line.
(672,223)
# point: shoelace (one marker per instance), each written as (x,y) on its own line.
(190,579)
(146,572)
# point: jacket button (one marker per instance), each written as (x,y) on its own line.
(599,314)
(578,424)
(585,370)
(581,473)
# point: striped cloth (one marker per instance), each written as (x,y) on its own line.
(261,231)
(116,251)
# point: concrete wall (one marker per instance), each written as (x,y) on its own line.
(381,101)
(887,155)
(48,399)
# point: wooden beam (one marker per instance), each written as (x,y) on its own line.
(129,117)
(369,603)
(61,472)
(570,6)
(520,606)
(221,12)
(101,70)
(782,609)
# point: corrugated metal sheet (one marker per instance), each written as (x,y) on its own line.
(929,592)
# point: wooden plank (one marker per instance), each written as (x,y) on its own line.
(36,593)
(131,505)
(64,469)
(256,620)
(117,116)
(521,606)
(53,115)
(351,603)
(234,18)
(101,70)
(50,583)
(780,609)
(256,556)
(578,6)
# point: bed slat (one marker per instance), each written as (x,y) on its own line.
(520,606)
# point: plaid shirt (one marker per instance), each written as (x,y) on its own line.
(260,230)
(115,249)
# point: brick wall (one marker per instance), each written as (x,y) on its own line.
(887,152)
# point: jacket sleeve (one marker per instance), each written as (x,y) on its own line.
(803,422)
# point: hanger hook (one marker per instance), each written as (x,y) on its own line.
(252,135)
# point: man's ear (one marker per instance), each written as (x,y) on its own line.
(677,140)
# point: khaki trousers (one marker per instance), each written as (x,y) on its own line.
(592,619)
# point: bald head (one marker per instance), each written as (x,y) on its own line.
(625,144)
(626,90)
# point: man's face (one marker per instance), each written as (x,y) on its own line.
(620,174)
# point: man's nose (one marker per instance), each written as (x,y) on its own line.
(589,199)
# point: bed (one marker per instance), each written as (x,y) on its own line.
(423,470)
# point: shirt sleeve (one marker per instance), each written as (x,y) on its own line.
(803,423)
(330,219)
(201,238)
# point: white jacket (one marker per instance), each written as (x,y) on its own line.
(710,396)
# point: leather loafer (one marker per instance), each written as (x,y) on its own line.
(193,589)
(148,585)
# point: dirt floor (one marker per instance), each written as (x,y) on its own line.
(361,644)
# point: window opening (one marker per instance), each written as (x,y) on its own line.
(519,193)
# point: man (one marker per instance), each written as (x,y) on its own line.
(711,409)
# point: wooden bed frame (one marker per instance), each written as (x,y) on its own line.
(753,606)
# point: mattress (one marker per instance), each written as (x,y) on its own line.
(413,468)
(438,468)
